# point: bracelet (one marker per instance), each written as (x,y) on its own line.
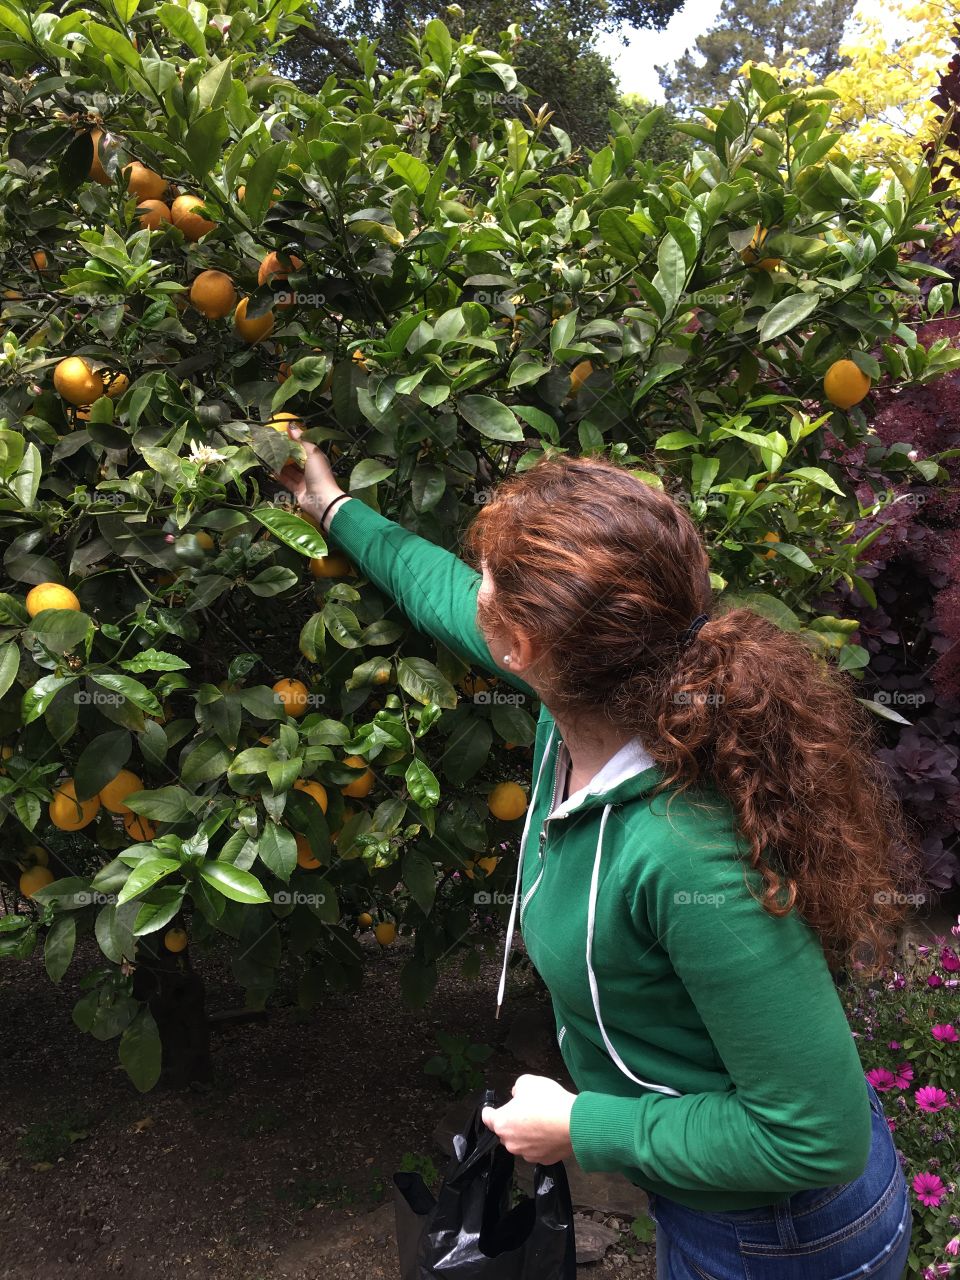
(338,498)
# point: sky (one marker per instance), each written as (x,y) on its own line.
(634,63)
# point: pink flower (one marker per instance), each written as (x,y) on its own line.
(930,1098)
(922,950)
(934,980)
(944,1031)
(929,1189)
(903,1077)
(953,1246)
(949,959)
(893,1044)
(881,1079)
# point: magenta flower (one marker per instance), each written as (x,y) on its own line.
(929,1189)
(950,960)
(934,980)
(930,1098)
(881,1079)
(953,1246)
(944,1031)
(922,950)
(903,1077)
(893,1044)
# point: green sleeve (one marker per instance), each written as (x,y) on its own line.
(797,1113)
(434,588)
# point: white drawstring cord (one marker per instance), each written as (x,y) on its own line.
(591,916)
(516,891)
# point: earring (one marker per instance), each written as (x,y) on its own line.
(507,658)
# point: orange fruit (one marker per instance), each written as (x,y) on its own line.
(471,684)
(117,789)
(39,260)
(751,254)
(183,214)
(845,384)
(76,381)
(283,373)
(507,801)
(213,294)
(347,815)
(335,566)
(364,919)
(770,537)
(385,932)
(251,330)
(34,879)
(137,828)
(204,539)
(314,789)
(293,694)
(151,213)
(488,865)
(143,182)
(361,786)
(175,940)
(578,376)
(38,855)
(67,812)
(115,384)
(275,268)
(50,595)
(280,422)
(305,856)
(96,170)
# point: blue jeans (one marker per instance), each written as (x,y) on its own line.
(856,1230)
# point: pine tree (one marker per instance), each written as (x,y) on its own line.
(761,31)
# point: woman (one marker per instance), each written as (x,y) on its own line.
(709,831)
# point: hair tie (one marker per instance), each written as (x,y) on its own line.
(691,631)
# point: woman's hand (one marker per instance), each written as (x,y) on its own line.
(313,485)
(535,1124)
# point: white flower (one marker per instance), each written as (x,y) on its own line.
(205,456)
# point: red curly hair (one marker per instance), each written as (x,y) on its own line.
(604,573)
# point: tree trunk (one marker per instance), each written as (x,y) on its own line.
(175,994)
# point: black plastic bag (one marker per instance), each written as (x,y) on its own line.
(469,1231)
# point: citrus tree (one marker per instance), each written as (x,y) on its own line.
(214,728)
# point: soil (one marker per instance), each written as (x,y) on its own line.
(280,1169)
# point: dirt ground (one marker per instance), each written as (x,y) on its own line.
(281,1170)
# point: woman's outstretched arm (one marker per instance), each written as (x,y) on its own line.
(435,588)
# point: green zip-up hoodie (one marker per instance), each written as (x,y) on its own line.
(713,1059)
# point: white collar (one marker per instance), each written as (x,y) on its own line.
(631,759)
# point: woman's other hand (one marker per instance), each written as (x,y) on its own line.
(535,1123)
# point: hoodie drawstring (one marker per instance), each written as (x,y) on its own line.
(516,891)
(592,977)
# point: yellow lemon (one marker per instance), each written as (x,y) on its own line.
(175,940)
(845,384)
(50,595)
(76,381)
(385,932)
(507,801)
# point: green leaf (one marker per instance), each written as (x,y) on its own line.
(884,712)
(277,849)
(181,25)
(423,681)
(422,784)
(165,804)
(109,41)
(787,314)
(145,875)
(139,1050)
(368,473)
(130,689)
(61,630)
(292,530)
(260,183)
(413,171)
(155,660)
(816,476)
(491,418)
(420,877)
(101,761)
(418,980)
(237,885)
(204,141)
(213,87)
(59,946)
(9,666)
